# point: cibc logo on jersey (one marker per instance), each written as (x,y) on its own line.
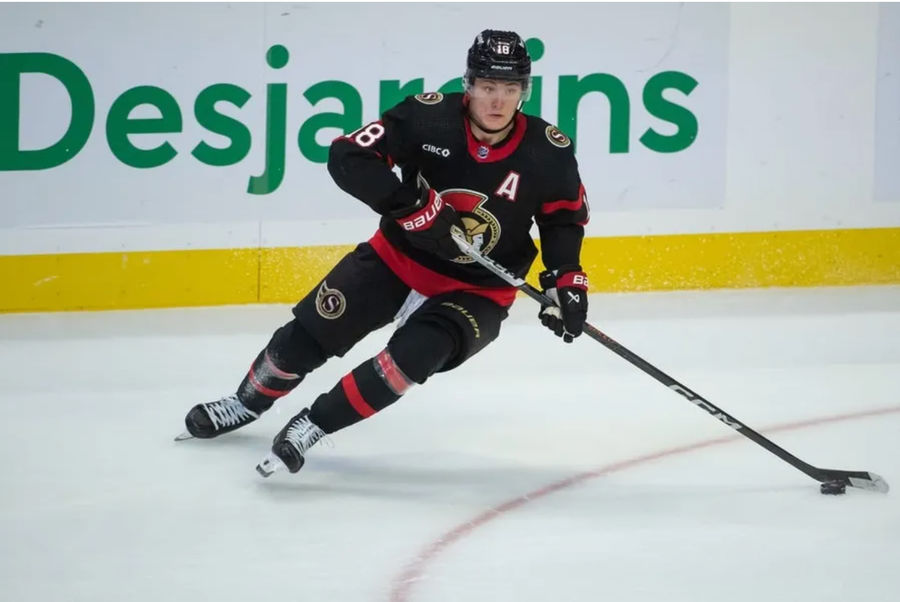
(482,228)
(443,152)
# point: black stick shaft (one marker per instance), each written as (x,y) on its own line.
(855,478)
(695,398)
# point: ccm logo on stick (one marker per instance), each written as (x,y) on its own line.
(705,405)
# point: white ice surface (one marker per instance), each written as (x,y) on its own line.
(97,503)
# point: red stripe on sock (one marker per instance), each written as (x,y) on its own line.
(355,397)
(278,371)
(262,389)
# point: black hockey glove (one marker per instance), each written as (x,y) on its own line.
(428,225)
(567,286)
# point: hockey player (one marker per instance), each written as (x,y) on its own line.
(468,160)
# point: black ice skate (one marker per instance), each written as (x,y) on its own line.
(208,420)
(290,444)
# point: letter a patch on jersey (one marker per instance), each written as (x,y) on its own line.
(509,187)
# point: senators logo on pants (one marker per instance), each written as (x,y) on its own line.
(482,228)
(330,302)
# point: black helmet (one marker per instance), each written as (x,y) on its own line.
(498,55)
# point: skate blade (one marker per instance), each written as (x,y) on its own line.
(184,436)
(269,465)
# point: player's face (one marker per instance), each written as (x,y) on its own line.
(493,102)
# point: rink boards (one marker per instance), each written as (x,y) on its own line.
(138,279)
(191,172)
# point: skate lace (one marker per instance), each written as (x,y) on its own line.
(303,434)
(228,412)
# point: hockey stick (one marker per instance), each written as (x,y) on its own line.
(833,480)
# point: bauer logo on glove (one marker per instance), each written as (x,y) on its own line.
(429,223)
(422,218)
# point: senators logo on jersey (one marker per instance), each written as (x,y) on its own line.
(482,227)
(429,98)
(330,302)
(556,137)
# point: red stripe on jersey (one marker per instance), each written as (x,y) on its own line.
(555,206)
(428,282)
(575,205)
(351,390)
(496,154)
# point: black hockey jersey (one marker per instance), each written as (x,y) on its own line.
(499,191)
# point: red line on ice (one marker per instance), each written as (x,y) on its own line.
(403,584)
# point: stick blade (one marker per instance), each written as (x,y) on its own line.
(871,481)
(861,480)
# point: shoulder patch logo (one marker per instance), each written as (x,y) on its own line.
(556,137)
(330,302)
(429,98)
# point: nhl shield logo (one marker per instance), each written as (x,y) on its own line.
(330,302)
(483,152)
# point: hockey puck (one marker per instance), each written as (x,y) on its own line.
(833,488)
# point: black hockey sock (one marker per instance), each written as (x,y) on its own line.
(290,355)
(266,382)
(369,388)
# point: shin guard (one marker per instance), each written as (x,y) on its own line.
(369,388)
